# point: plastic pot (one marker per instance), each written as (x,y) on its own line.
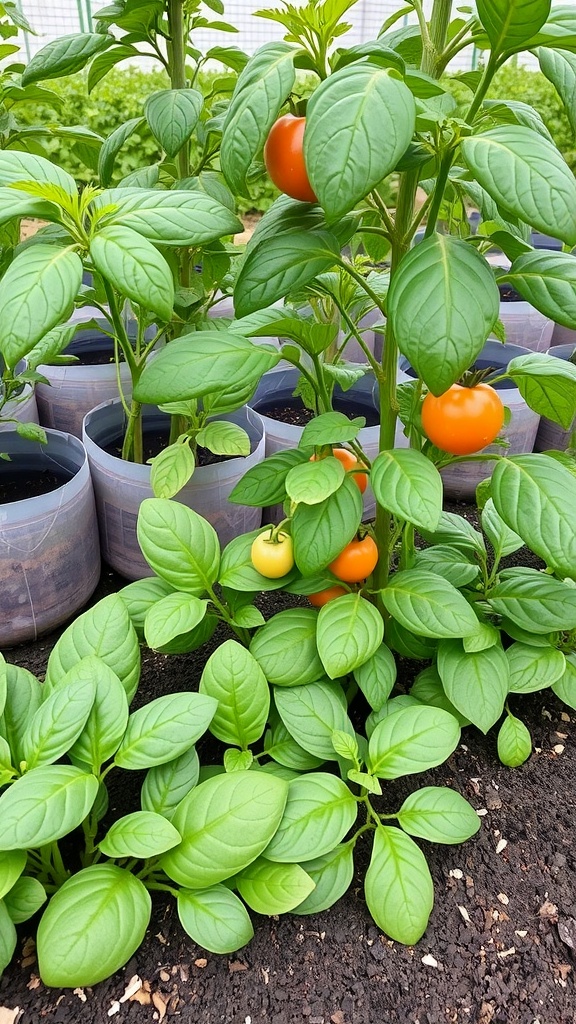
(23,407)
(563,336)
(524,324)
(121,486)
(461,480)
(49,553)
(551,436)
(277,387)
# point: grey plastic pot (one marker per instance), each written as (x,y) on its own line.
(49,553)
(461,480)
(75,389)
(551,436)
(525,325)
(121,486)
(277,386)
(563,336)
(23,407)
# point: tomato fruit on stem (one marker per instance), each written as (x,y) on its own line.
(351,465)
(272,555)
(356,561)
(323,597)
(284,158)
(464,419)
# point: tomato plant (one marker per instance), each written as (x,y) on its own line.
(351,465)
(464,419)
(272,554)
(356,561)
(284,158)
(323,597)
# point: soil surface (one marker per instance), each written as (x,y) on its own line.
(499,948)
(16,485)
(293,411)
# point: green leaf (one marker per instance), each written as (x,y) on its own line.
(428,605)
(64,56)
(178,544)
(140,596)
(281,264)
(363,110)
(8,937)
(104,630)
(476,682)
(320,532)
(169,218)
(262,87)
(439,815)
(132,264)
(514,742)
(104,62)
(376,676)
(171,469)
(3,683)
(273,888)
(12,864)
(283,748)
(313,482)
(171,616)
(167,784)
(108,716)
(407,484)
(565,687)
(285,648)
(215,919)
(456,531)
(112,147)
(510,24)
(312,713)
(225,824)
(44,805)
(398,887)
(320,810)
(25,899)
(141,834)
(502,538)
(534,668)
(448,562)
(559,67)
(233,677)
(264,484)
(526,175)
(237,571)
(224,438)
(237,760)
(536,602)
(92,926)
(443,302)
(36,292)
(23,698)
(547,279)
(163,729)
(349,632)
(198,364)
(173,115)
(427,689)
(536,496)
(60,719)
(547,384)
(412,740)
(332,875)
(17,204)
(330,428)
(19,168)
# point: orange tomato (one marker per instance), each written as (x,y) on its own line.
(356,561)
(284,158)
(324,596)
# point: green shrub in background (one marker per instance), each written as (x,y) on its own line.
(119,97)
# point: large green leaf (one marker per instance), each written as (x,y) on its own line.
(398,887)
(173,115)
(559,30)
(527,176)
(285,751)
(320,532)
(132,264)
(25,899)
(12,864)
(476,682)
(36,293)
(108,716)
(234,678)
(536,496)
(273,888)
(559,66)
(313,482)
(376,677)
(60,719)
(534,668)
(349,632)
(23,697)
(449,562)
(443,302)
(412,740)
(438,814)
(64,56)
(510,23)
(8,937)
(45,804)
(171,616)
(167,784)
(285,648)
(407,484)
(169,218)
(565,687)
(215,918)
(428,605)
(319,812)
(312,713)
(359,122)
(514,742)
(180,545)
(141,834)
(332,875)
(262,87)
(547,384)
(92,926)
(197,364)
(16,167)
(264,484)
(281,264)
(113,145)
(164,729)
(225,823)
(18,204)
(502,538)
(536,602)
(547,279)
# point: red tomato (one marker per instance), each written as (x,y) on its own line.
(356,561)
(284,158)
(351,464)
(463,420)
(324,596)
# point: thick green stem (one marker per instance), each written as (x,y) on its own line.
(438,30)
(178,80)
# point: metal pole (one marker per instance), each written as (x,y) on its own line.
(89,15)
(80,15)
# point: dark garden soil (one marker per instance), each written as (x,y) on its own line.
(294,412)
(499,948)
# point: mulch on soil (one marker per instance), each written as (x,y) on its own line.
(499,948)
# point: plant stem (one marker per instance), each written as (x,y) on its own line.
(178,80)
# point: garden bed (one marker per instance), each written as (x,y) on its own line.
(499,946)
